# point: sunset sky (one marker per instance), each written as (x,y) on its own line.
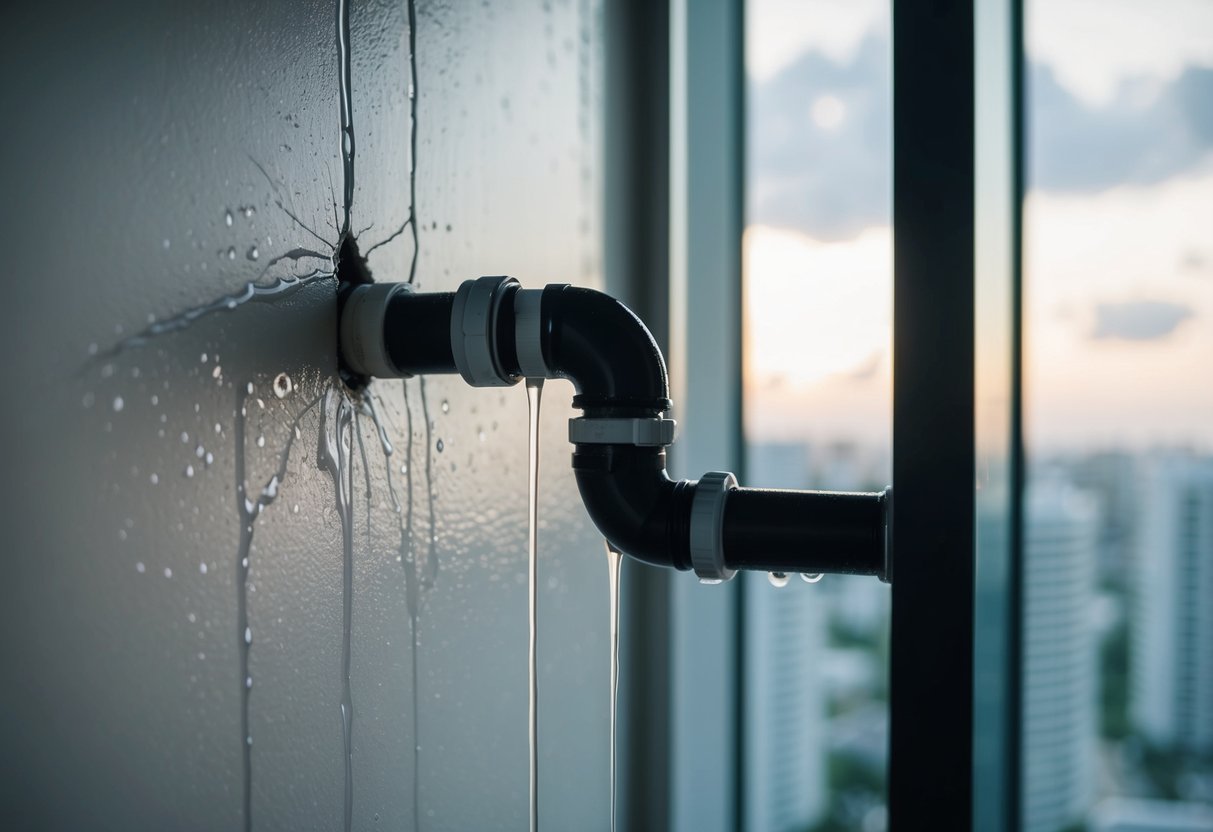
(1118,222)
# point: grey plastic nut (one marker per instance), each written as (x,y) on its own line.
(707,526)
(528,335)
(362,329)
(643,432)
(474,331)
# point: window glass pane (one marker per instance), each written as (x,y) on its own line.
(1118,628)
(817,332)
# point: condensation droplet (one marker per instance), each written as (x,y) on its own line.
(253,253)
(811,577)
(248,635)
(441,446)
(202,568)
(283,385)
(189,470)
(200,452)
(168,572)
(231,252)
(228,219)
(139,567)
(260,441)
(217,372)
(778,579)
(118,404)
(154,479)
(446,406)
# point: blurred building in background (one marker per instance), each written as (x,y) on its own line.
(1172,657)
(1060,671)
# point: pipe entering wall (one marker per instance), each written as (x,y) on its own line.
(493,333)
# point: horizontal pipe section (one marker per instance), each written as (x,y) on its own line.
(804,531)
(418,332)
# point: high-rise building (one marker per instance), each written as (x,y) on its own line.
(1060,670)
(1172,646)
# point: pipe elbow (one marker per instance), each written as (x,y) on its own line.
(605,350)
(634,504)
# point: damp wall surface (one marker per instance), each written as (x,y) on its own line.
(165,422)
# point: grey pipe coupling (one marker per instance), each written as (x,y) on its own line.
(707,527)
(474,331)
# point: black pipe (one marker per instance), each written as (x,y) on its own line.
(780,531)
(618,372)
(600,345)
(419,337)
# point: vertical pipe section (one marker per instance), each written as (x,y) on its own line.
(706,169)
(931,673)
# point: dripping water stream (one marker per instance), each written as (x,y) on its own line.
(335,437)
(614,562)
(534,391)
(248,509)
(347,111)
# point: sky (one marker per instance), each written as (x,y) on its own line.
(1118,222)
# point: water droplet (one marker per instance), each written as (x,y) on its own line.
(210,457)
(202,568)
(283,385)
(231,252)
(483,436)
(260,441)
(218,428)
(202,657)
(248,635)
(228,218)
(168,573)
(118,404)
(446,406)
(778,579)
(155,400)
(248,682)
(218,371)
(295,508)
(811,577)
(155,479)
(441,446)
(92,348)
(248,211)
(204,358)
(244,562)
(253,253)
(88,400)
(166,243)
(249,388)
(189,470)
(200,452)
(140,568)
(192,618)
(346,142)
(248,740)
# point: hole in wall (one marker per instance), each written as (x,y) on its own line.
(352,271)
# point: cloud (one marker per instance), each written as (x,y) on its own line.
(1143,320)
(820,141)
(1147,133)
(820,138)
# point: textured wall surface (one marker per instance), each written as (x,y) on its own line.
(170,421)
